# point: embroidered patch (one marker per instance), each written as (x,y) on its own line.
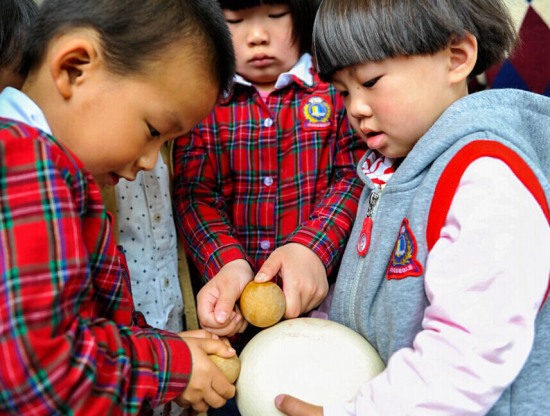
(403,262)
(316,113)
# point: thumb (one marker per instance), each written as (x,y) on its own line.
(216,347)
(225,305)
(291,406)
(270,269)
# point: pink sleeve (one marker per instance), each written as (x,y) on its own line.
(479,327)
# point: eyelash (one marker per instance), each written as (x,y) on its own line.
(279,15)
(273,16)
(153,131)
(371,83)
(343,94)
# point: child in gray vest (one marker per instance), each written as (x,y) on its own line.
(446,272)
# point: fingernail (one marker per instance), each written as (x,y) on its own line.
(261,277)
(221,317)
(279,400)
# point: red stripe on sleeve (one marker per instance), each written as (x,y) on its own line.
(450,178)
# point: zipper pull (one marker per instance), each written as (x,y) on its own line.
(366,230)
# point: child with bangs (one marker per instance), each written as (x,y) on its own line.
(265,187)
(452,291)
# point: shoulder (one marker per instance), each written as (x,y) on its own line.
(33,149)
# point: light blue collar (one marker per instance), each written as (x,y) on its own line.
(16,105)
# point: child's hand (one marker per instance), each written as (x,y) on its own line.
(291,406)
(216,307)
(304,277)
(208,386)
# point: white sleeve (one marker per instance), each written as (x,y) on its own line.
(486,279)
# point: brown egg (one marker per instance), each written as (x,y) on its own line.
(230,367)
(262,304)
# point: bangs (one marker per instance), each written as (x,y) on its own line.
(345,35)
(246,4)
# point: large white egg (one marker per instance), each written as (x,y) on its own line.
(316,360)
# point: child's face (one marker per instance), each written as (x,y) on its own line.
(392,103)
(117,124)
(262,38)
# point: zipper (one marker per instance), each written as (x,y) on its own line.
(366,230)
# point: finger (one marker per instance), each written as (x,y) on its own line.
(201,406)
(223,388)
(270,269)
(197,333)
(293,300)
(206,302)
(218,347)
(224,309)
(216,331)
(291,406)
(242,323)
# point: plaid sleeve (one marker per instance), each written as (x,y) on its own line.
(201,207)
(67,344)
(327,230)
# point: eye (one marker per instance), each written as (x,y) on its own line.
(343,93)
(371,83)
(233,21)
(153,131)
(279,15)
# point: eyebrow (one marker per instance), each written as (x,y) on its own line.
(174,122)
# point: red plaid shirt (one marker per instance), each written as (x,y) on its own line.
(69,340)
(257,174)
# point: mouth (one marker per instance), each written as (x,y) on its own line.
(261,59)
(372,134)
(374,139)
(113,178)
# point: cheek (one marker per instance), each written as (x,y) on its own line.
(240,56)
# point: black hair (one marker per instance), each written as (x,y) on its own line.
(352,32)
(15,22)
(133,33)
(302,11)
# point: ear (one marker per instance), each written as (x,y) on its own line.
(73,58)
(463,57)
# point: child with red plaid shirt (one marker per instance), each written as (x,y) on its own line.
(265,187)
(106,88)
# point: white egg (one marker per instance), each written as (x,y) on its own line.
(316,360)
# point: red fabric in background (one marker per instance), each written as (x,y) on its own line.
(529,66)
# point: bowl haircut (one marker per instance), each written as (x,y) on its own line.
(352,32)
(134,33)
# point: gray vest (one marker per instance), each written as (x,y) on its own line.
(389,312)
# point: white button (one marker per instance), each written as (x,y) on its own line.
(265,245)
(268,181)
(268,122)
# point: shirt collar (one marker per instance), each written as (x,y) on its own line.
(301,70)
(17,106)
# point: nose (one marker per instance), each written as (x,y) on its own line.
(148,159)
(257,35)
(357,107)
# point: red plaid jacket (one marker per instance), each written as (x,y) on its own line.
(70,342)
